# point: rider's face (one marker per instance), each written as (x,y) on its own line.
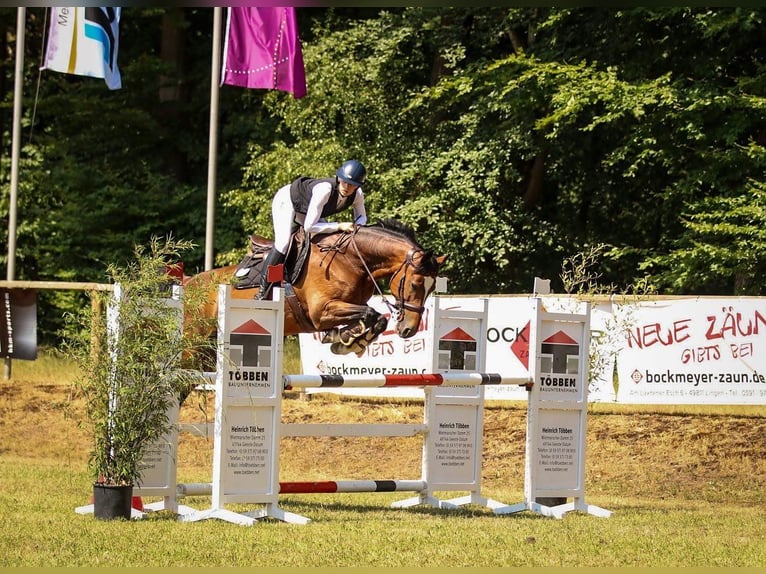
(346,188)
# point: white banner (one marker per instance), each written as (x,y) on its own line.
(691,351)
(507,346)
(679,351)
(388,355)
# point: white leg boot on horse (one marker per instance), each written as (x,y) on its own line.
(273,258)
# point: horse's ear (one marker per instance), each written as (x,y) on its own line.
(441,259)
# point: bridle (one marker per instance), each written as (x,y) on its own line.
(400,305)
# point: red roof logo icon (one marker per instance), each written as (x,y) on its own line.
(520,346)
(250,327)
(457,334)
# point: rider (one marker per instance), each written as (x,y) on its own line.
(307,202)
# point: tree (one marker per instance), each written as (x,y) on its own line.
(723,246)
(512,138)
(104,170)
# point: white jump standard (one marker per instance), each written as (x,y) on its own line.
(249,388)
(248,427)
(557,409)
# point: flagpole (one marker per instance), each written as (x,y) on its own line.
(215,74)
(18,93)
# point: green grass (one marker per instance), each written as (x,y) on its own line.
(686,488)
(38,499)
(49,367)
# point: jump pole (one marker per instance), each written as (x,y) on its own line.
(410,380)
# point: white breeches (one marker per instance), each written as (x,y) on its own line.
(282,214)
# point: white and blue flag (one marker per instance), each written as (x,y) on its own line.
(84,41)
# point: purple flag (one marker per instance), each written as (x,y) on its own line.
(263,50)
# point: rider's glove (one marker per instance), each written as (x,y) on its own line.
(346,226)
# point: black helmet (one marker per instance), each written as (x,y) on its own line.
(353,172)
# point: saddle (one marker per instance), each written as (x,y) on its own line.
(249,271)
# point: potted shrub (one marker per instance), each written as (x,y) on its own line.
(129,347)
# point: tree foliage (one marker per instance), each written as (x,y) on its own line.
(510,138)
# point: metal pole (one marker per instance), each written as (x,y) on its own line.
(16,145)
(215,69)
(18,93)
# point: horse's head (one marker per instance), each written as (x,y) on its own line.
(411,285)
(413,278)
(385,251)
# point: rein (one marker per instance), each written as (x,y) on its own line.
(401,304)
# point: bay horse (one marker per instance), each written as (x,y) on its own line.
(340,274)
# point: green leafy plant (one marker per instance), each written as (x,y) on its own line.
(722,249)
(581,279)
(129,347)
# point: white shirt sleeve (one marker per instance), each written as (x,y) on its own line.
(313,223)
(319,196)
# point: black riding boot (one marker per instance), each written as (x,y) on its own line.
(273,258)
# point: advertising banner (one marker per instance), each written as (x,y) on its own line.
(692,351)
(665,351)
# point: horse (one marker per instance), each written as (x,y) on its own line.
(330,291)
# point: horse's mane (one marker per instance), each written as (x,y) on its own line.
(427,264)
(398,228)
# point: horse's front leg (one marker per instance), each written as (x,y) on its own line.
(335,313)
(352,340)
(368,336)
(356,336)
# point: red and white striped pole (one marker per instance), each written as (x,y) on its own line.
(410,380)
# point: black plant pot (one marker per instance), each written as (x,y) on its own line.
(112,501)
(551,500)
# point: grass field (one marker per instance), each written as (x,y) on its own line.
(687,487)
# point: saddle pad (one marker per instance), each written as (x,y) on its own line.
(248,272)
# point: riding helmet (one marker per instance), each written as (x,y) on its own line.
(353,172)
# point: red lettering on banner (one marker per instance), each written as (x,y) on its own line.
(380,348)
(733,324)
(740,351)
(653,333)
(701,354)
(414,345)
